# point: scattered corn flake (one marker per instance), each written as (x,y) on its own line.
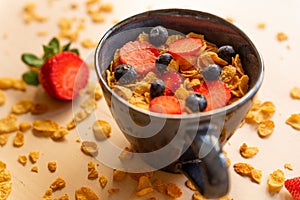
(88,43)
(35,169)
(19,84)
(58,184)
(21,107)
(294,121)
(60,133)
(42,33)
(89,148)
(173,190)
(288,166)
(248,152)
(22,159)
(48,194)
(93,173)
(80,116)
(103,180)
(266,128)
(256,175)
(5,189)
(276,180)
(281,36)
(126,154)
(107,7)
(244,169)
(4,138)
(2,166)
(52,166)
(119,175)
(8,124)
(34,156)
(6,83)
(89,105)
(113,190)
(24,126)
(64,197)
(261,25)
(97,17)
(190,185)
(2,98)
(71,125)
(45,127)
(39,108)
(85,193)
(144,186)
(30,14)
(137,176)
(18,140)
(197,196)
(101,129)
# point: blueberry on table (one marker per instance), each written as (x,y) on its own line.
(158,35)
(163,61)
(196,102)
(226,52)
(157,88)
(211,72)
(125,74)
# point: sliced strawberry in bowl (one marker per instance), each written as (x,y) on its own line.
(293,186)
(165,104)
(139,54)
(172,81)
(217,94)
(185,47)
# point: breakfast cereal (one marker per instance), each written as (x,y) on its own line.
(35,169)
(288,166)
(4,138)
(144,186)
(22,159)
(266,128)
(119,175)
(39,108)
(295,92)
(34,156)
(113,190)
(24,126)
(276,180)
(243,169)
(22,106)
(190,185)
(294,121)
(52,166)
(5,181)
(256,175)
(103,181)
(18,140)
(64,197)
(85,193)
(93,173)
(173,190)
(89,147)
(248,152)
(8,124)
(58,184)
(48,194)
(30,14)
(281,36)
(44,127)
(101,129)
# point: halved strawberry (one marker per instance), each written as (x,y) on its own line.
(293,186)
(165,104)
(172,82)
(217,94)
(139,54)
(63,75)
(185,47)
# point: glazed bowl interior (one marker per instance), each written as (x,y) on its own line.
(215,29)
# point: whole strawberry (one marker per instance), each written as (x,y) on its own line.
(60,71)
(293,186)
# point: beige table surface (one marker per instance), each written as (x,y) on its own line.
(282,73)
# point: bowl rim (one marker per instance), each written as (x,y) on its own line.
(190,13)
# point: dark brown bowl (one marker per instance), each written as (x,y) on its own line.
(189,143)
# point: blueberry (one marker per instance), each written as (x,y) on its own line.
(125,74)
(163,61)
(226,52)
(157,88)
(211,72)
(158,35)
(196,102)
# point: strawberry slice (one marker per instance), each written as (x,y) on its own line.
(139,54)
(185,47)
(63,75)
(172,82)
(293,186)
(217,94)
(165,104)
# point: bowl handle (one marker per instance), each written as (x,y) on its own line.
(208,170)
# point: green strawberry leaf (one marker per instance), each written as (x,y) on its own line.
(66,47)
(54,43)
(75,51)
(32,60)
(31,77)
(49,51)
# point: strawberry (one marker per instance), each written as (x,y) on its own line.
(293,186)
(139,54)
(217,94)
(185,47)
(61,72)
(172,82)
(165,104)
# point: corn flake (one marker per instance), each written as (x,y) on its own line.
(243,169)
(8,124)
(39,108)
(288,166)
(34,156)
(256,175)
(58,184)
(144,186)
(119,175)
(24,126)
(6,83)
(48,194)
(190,185)
(52,166)
(266,128)
(295,93)
(21,107)
(248,152)
(294,121)
(227,73)
(103,181)
(85,193)
(173,190)
(101,129)
(93,173)
(35,169)
(2,98)
(89,148)
(5,189)
(22,159)
(276,180)
(45,127)
(18,140)
(4,138)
